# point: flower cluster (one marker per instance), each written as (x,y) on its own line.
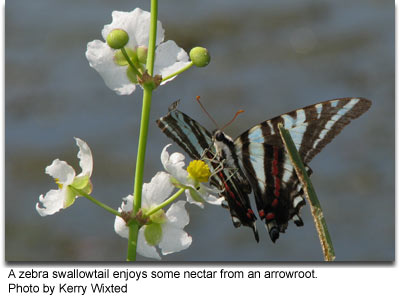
(162,229)
(112,65)
(166,229)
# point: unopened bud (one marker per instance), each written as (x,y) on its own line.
(117,38)
(200,56)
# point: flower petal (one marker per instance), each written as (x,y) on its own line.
(169,59)
(61,171)
(144,249)
(158,190)
(137,24)
(174,164)
(174,240)
(127,204)
(143,27)
(119,223)
(190,199)
(52,202)
(209,195)
(85,156)
(120,227)
(177,215)
(101,58)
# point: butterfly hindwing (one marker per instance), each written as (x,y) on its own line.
(263,158)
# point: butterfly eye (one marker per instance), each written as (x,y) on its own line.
(219,136)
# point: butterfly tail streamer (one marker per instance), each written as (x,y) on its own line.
(315,206)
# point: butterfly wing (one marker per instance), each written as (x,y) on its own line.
(263,158)
(197,142)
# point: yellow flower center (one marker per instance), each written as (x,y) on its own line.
(199,170)
(58,183)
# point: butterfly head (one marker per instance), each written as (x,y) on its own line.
(224,146)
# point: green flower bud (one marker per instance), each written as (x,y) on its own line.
(200,56)
(141,52)
(117,38)
(153,234)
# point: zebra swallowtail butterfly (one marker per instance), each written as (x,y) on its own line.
(257,160)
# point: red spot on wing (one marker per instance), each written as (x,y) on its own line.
(270,216)
(250,213)
(274,202)
(261,213)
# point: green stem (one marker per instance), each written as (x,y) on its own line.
(165,203)
(315,206)
(131,63)
(152,38)
(132,241)
(187,67)
(144,126)
(95,201)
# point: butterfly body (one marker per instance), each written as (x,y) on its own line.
(257,161)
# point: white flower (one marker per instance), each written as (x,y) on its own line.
(174,164)
(169,58)
(65,175)
(171,237)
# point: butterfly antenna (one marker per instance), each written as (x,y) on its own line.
(232,120)
(205,111)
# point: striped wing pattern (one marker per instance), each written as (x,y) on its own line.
(263,158)
(197,141)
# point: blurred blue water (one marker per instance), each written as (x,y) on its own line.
(268,58)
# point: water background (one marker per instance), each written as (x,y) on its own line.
(268,58)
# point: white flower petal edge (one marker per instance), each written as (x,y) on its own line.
(52,202)
(61,171)
(101,58)
(119,223)
(169,59)
(174,238)
(85,158)
(174,164)
(177,215)
(158,190)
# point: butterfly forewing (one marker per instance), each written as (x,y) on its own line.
(197,142)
